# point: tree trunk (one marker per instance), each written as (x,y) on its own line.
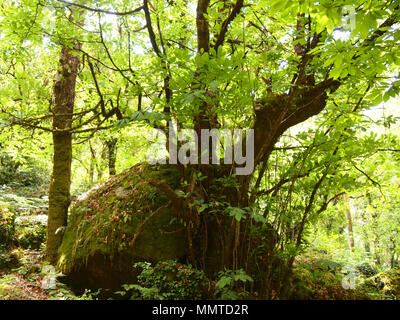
(375,231)
(101,163)
(112,155)
(367,246)
(349,223)
(392,252)
(59,193)
(92,164)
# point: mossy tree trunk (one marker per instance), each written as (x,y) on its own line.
(92,164)
(375,232)
(112,155)
(349,223)
(63,108)
(365,237)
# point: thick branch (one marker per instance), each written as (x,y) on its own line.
(152,35)
(164,187)
(224,28)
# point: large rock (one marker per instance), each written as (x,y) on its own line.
(123,221)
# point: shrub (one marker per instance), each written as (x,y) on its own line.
(14,172)
(7,228)
(231,285)
(167,280)
(366,269)
(30,234)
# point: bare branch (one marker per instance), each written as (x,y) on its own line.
(127,13)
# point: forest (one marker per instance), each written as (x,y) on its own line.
(199,150)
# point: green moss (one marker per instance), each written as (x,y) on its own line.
(9,292)
(386,283)
(7,226)
(106,220)
(30,234)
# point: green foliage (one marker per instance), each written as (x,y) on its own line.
(30,234)
(366,269)
(7,227)
(8,168)
(317,277)
(8,260)
(22,221)
(167,280)
(231,285)
(15,171)
(7,290)
(63,292)
(384,285)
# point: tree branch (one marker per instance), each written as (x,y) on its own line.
(224,28)
(100,10)
(152,35)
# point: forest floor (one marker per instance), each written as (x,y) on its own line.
(23,218)
(25,281)
(28,279)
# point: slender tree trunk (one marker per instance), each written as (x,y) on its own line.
(59,193)
(92,164)
(392,252)
(367,246)
(101,164)
(377,250)
(375,231)
(112,155)
(349,223)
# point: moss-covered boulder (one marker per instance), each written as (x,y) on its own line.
(384,285)
(125,220)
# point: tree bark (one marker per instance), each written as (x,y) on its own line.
(349,223)
(375,231)
(367,246)
(101,164)
(59,193)
(92,164)
(112,155)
